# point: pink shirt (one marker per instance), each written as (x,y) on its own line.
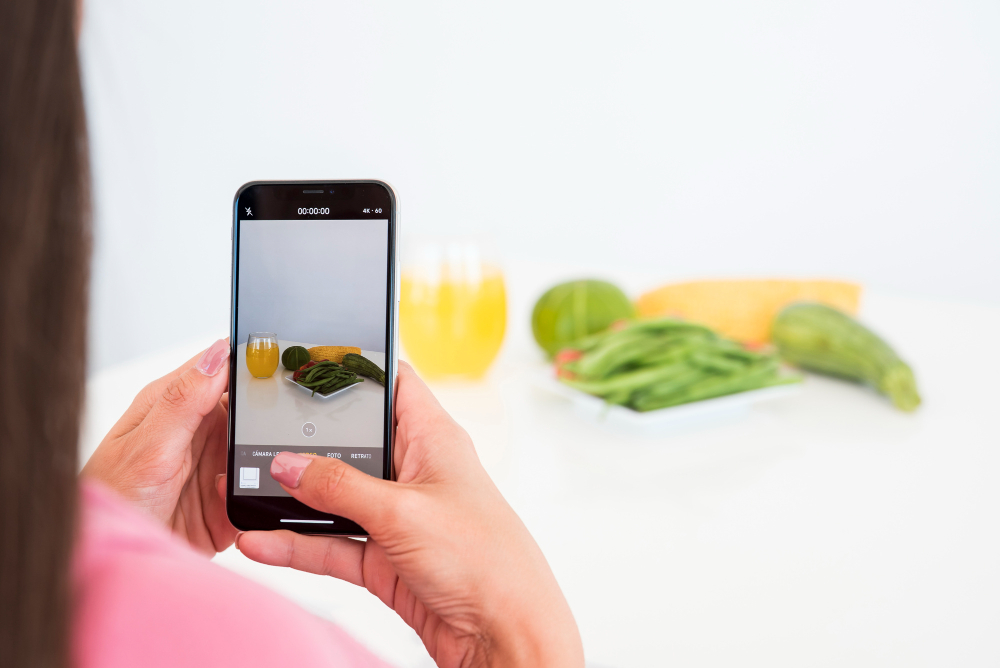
(144,598)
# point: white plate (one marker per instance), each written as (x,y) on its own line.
(321,396)
(707,410)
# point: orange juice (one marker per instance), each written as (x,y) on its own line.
(452,325)
(262,358)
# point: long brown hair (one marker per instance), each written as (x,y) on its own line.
(44,255)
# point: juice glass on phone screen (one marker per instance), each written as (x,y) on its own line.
(262,354)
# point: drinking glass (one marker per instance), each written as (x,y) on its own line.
(452,308)
(262,354)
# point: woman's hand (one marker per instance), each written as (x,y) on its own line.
(167,453)
(446,551)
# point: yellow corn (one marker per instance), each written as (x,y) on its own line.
(743,309)
(332,353)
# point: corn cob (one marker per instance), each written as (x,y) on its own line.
(743,309)
(332,353)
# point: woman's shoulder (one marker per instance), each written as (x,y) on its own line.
(143,597)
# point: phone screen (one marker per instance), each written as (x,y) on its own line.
(312,336)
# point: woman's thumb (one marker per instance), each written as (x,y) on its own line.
(336,487)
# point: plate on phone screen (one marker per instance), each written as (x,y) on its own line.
(321,396)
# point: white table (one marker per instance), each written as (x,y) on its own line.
(823,529)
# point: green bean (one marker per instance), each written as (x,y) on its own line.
(656,364)
(326,388)
(714,386)
(316,383)
(622,353)
(619,398)
(606,360)
(331,382)
(324,371)
(320,381)
(337,385)
(736,351)
(640,329)
(329,371)
(670,355)
(713,361)
(688,376)
(627,381)
(311,373)
(325,375)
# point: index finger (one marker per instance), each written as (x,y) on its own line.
(339,557)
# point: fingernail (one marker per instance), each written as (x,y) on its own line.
(288,467)
(214,358)
(236,541)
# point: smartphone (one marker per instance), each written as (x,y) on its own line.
(314,312)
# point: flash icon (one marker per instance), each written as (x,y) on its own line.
(249,213)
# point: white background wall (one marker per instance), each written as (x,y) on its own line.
(718,138)
(299,280)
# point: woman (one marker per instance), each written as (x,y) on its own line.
(106,570)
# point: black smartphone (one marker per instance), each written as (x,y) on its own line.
(313,341)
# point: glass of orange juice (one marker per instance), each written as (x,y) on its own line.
(262,354)
(452,308)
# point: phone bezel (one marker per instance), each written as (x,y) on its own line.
(264,513)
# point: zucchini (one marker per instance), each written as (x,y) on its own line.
(364,367)
(823,339)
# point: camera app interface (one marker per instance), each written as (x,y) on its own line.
(311,325)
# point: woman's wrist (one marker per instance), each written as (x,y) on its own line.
(539,632)
(544,643)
